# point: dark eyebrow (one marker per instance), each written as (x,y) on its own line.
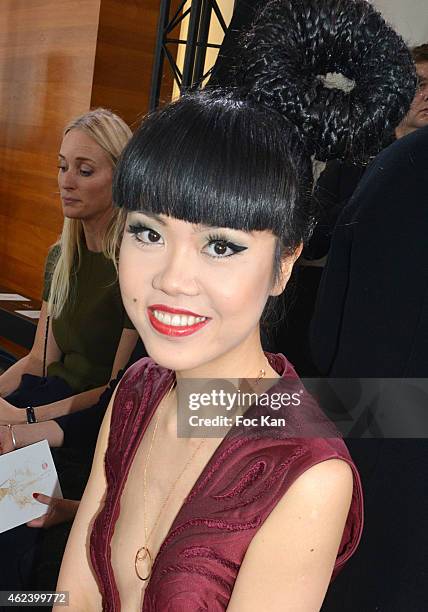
(80,158)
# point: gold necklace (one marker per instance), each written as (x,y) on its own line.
(143,554)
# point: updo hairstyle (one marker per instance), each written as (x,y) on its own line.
(314,78)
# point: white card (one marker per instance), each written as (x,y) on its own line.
(13,297)
(23,472)
(32,314)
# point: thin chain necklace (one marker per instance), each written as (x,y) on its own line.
(144,555)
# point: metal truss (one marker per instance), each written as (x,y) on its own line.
(200,13)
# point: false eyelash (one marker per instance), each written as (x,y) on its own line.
(236,248)
(137,228)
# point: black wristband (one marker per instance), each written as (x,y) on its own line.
(31,417)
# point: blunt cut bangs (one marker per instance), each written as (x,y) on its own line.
(216,161)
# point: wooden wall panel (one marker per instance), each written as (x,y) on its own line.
(124,58)
(47,51)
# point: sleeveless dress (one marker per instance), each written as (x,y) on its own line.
(247,475)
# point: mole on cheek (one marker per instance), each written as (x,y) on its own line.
(134,300)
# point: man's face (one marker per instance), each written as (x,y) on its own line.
(417,116)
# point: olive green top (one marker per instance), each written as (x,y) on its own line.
(91,323)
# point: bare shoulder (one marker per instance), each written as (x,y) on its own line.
(319,499)
(291,558)
(332,478)
(320,496)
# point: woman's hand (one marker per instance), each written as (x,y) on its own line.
(60,511)
(6,441)
(11,414)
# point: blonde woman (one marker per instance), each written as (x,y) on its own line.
(83,336)
(83,339)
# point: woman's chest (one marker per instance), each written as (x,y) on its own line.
(159,481)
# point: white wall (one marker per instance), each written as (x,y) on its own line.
(408,17)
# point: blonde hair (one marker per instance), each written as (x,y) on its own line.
(111,133)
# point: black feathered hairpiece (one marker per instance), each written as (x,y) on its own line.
(333,68)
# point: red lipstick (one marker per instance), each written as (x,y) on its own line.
(175,331)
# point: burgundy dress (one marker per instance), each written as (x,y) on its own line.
(248,474)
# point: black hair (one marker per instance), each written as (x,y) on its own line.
(313,79)
(420,53)
(240,156)
(216,159)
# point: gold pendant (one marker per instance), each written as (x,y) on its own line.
(143,556)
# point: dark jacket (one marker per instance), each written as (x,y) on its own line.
(371,320)
(371,317)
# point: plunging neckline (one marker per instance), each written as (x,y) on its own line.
(202,552)
(193,488)
(273,359)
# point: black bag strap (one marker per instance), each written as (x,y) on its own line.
(45,349)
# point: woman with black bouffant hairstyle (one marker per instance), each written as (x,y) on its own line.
(216,189)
